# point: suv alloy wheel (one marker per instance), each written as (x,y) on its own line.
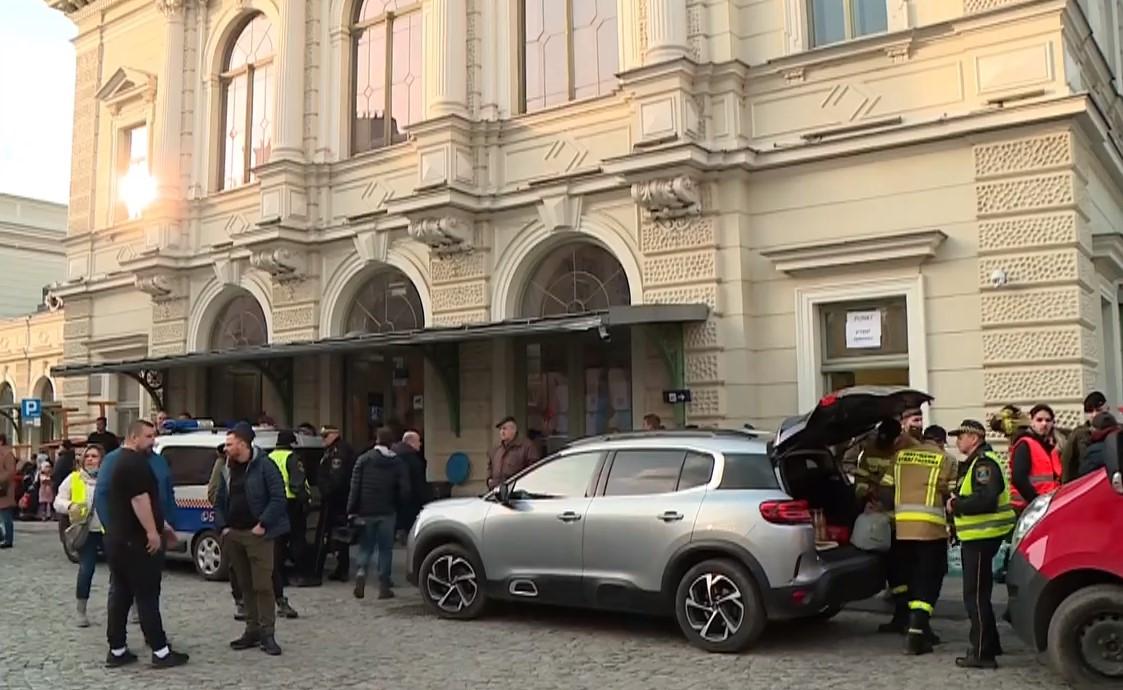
(718,607)
(452,583)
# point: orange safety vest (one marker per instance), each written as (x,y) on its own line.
(1044,470)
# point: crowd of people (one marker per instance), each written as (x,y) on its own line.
(904,472)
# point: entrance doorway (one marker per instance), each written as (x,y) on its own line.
(384,387)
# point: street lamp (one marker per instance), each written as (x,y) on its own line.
(138,190)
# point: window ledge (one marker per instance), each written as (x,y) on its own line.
(905,247)
(1107,254)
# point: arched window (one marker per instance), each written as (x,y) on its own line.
(568,50)
(575,279)
(240,324)
(7,403)
(388,302)
(386,93)
(247,102)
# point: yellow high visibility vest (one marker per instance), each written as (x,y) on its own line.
(988,525)
(280,458)
(78,494)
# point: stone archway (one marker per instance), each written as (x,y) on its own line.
(7,400)
(238,391)
(383,387)
(44,390)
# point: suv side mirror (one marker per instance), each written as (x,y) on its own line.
(505,493)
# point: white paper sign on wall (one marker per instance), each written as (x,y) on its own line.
(863,329)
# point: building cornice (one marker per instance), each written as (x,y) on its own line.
(1107,254)
(913,248)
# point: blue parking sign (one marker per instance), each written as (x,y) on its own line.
(31,408)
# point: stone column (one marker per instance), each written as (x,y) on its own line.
(169,103)
(666,30)
(288,137)
(445,47)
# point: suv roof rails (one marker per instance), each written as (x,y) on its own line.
(670,433)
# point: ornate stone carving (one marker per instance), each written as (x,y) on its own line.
(705,403)
(443,235)
(170,7)
(676,234)
(172,331)
(700,336)
(669,197)
(702,367)
(155,286)
(53,302)
(672,269)
(1031,306)
(1023,155)
(1028,194)
(457,267)
(459,318)
(281,263)
(1038,383)
(700,294)
(302,316)
(1030,231)
(169,309)
(976,6)
(1027,269)
(460,296)
(1035,345)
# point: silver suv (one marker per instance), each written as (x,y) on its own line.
(714,527)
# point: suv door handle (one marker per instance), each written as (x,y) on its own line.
(569,516)
(670,516)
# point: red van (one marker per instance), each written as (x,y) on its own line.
(1066,577)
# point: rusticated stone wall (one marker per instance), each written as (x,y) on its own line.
(1039,343)
(460,288)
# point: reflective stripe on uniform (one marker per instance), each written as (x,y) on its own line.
(899,589)
(921,606)
(991,525)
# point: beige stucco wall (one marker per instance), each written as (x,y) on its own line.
(734,166)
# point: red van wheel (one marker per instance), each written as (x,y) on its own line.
(1086,637)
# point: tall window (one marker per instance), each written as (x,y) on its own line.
(387,69)
(241,324)
(568,50)
(247,103)
(841,20)
(133,179)
(865,343)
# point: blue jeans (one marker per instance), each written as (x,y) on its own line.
(378,532)
(7,526)
(87,560)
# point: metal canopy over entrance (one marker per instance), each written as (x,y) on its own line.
(440,345)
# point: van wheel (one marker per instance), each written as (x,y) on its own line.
(1085,642)
(718,607)
(207,555)
(452,583)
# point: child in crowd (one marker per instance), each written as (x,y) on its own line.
(46,492)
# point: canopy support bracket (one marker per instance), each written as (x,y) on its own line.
(445,359)
(669,338)
(152,381)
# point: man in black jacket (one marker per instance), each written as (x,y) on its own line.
(334,481)
(408,451)
(379,488)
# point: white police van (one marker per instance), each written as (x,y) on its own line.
(191,456)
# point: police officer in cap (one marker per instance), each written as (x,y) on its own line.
(334,482)
(983,517)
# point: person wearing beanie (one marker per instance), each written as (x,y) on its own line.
(1076,445)
(250,514)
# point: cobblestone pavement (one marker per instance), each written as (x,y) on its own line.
(339,642)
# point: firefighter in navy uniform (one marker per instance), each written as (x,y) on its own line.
(984,517)
(917,491)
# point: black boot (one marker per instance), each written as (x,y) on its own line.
(360,585)
(973,660)
(285,610)
(899,623)
(917,640)
(269,645)
(248,640)
(384,591)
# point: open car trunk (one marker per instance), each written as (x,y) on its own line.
(807,450)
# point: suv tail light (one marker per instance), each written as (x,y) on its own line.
(786,512)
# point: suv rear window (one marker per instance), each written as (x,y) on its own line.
(748,471)
(190,466)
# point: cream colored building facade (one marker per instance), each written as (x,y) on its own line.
(908,191)
(32,256)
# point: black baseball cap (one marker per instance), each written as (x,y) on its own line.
(969,426)
(506,419)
